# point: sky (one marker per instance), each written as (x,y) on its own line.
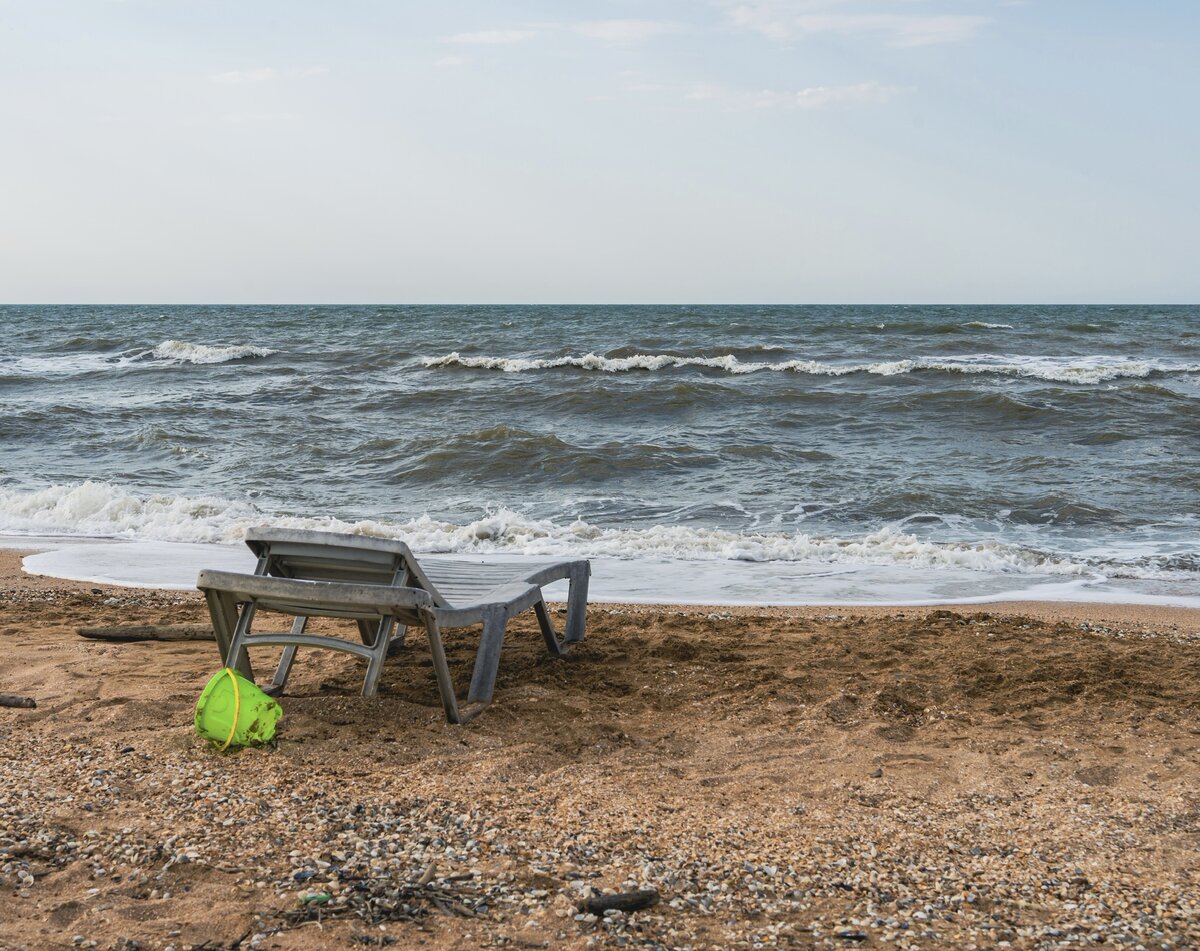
(599,151)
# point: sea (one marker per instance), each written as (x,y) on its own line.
(697,454)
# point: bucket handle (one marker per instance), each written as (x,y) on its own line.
(237,709)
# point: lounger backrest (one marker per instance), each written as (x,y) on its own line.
(328,556)
(326,563)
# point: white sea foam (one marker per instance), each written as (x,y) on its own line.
(1084,369)
(645,361)
(69,364)
(103,510)
(1095,369)
(97,509)
(182,351)
(984,325)
(167,352)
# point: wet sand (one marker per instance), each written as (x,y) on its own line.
(1020,775)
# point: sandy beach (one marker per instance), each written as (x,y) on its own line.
(1016,776)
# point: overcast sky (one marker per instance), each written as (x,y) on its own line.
(798,151)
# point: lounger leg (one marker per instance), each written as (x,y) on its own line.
(367,632)
(238,657)
(547,627)
(379,646)
(279,681)
(403,578)
(487,658)
(223,612)
(577,606)
(442,670)
(374,669)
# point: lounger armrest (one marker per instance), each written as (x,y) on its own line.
(548,574)
(321,596)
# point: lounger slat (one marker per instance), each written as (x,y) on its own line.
(262,539)
(460,587)
(440,568)
(448,577)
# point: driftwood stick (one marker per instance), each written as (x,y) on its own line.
(621,901)
(149,632)
(427,875)
(12,700)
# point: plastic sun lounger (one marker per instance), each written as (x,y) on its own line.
(381,585)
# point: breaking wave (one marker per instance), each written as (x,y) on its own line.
(183,352)
(169,352)
(1097,369)
(99,509)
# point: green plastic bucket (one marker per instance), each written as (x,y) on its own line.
(233,712)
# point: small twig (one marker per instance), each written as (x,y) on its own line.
(454,909)
(427,875)
(227,869)
(410,902)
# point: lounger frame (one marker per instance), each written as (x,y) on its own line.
(382,586)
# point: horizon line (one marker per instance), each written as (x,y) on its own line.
(679,303)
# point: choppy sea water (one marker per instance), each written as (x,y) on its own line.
(775,454)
